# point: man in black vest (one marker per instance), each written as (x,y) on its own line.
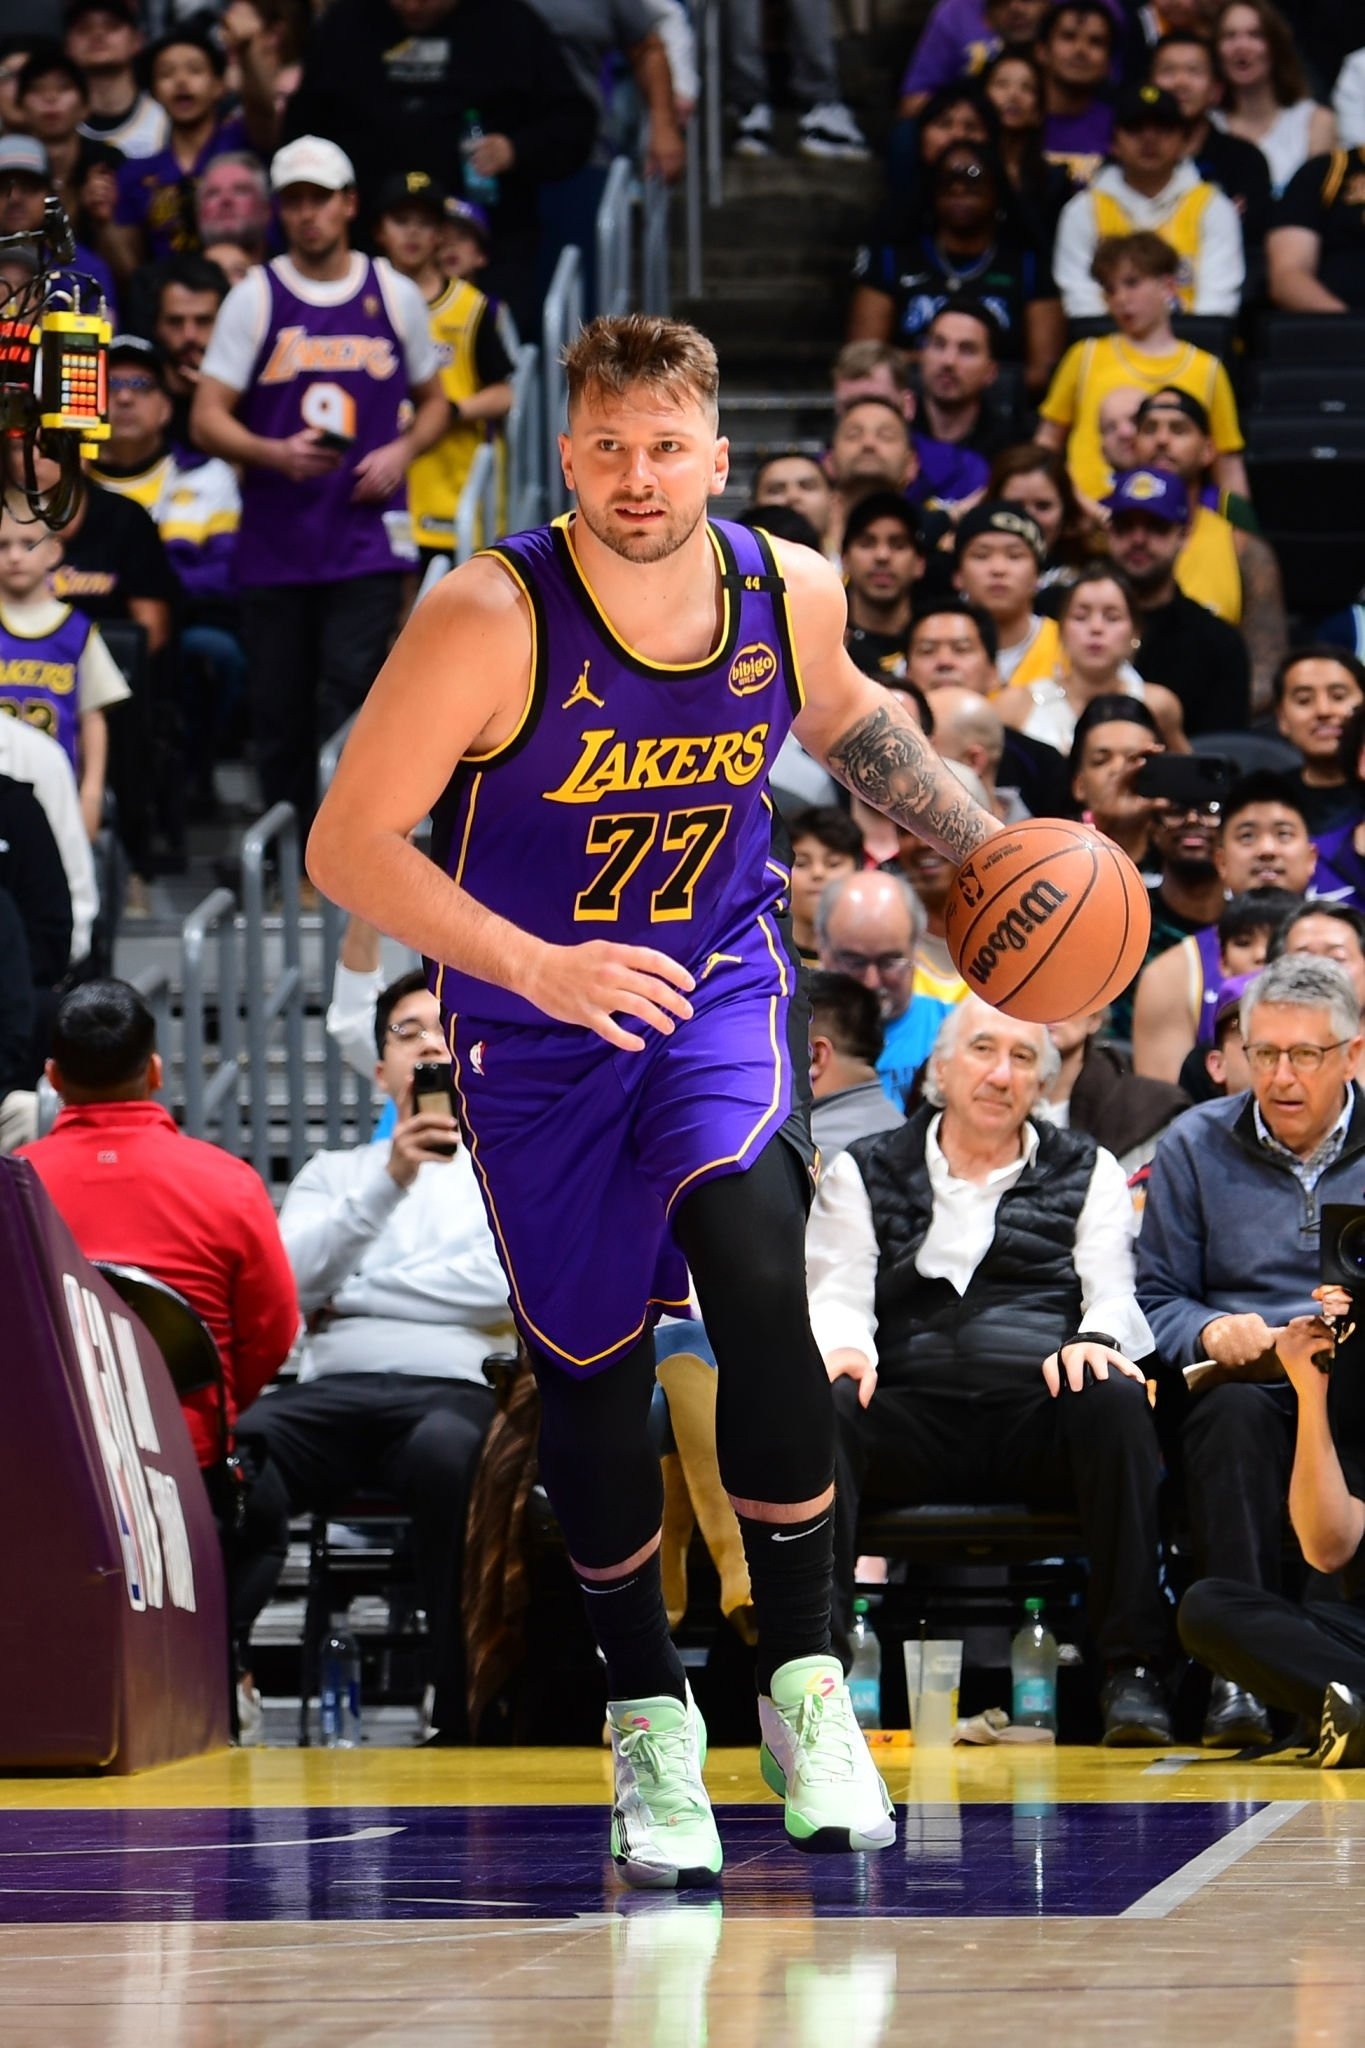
(971,1288)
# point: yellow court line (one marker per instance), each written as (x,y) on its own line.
(541,1777)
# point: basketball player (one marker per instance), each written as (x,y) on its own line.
(592,710)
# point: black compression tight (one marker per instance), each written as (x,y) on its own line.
(744,1238)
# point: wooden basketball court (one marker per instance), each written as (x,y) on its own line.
(283,1898)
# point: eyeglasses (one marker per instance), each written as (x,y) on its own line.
(1304,1059)
(410,1032)
(133,383)
(857,964)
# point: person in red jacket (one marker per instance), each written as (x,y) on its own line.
(132,1188)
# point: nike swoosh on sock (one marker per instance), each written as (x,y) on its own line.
(814,1530)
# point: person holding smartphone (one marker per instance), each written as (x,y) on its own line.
(404,1298)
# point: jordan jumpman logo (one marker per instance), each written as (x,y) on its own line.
(581,694)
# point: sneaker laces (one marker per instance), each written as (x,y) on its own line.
(667,1761)
(828,1737)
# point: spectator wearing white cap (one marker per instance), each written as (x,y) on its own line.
(305,385)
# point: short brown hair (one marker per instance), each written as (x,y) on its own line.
(864,358)
(1148,254)
(616,354)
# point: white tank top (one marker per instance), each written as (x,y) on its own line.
(1051,718)
(1285,142)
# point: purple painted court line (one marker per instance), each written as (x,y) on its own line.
(486,1863)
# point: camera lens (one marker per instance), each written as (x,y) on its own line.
(1351,1247)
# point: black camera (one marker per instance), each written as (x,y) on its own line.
(1343,1246)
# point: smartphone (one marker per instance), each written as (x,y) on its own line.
(433,1094)
(341,444)
(1190,781)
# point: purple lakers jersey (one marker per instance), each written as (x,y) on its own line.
(632,801)
(39,679)
(1211,981)
(339,369)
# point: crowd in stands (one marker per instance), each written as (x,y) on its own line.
(1044,479)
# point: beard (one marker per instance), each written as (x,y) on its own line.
(1189,870)
(653,543)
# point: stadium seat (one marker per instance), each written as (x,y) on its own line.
(1250,752)
(1313,437)
(1210,331)
(1308,491)
(1332,388)
(1315,338)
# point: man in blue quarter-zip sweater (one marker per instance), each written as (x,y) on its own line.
(1229,1253)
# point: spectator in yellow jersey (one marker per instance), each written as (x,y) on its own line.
(1137,275)
(475,369)
(1151,184)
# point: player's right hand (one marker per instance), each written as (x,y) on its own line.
(302,456)
(420,1141)
(594,983)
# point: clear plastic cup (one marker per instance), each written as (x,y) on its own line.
(933,1676)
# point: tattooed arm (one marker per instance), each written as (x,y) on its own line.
(1264,627)
(863,732)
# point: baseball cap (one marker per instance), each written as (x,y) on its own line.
(24,153)
(1153,491)
(410,188)
(1230,993)
(465,213)
(131,348)
(882,505)
(127,10)
(994,517)
(311,160)
(1147,106)
(1171,399)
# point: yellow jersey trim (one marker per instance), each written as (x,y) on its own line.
(504,746)
(564,524)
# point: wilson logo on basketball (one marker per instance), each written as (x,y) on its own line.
(753,668)
(1033,909)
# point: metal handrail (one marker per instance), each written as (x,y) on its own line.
(525,492)
(655,292)
(329,753)
(264,1005)
(614,211)
(476,513)
(563,317)
(712,107)
(153,984)
(215,1098)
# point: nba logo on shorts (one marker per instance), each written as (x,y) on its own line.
(476,1055)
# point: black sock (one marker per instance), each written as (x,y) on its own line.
(628,1618)
(791,1575)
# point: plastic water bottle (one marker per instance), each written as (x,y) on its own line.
(339,1690)
(478,185)
(1033,1668)
(865,1679)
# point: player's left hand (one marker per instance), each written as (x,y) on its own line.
(1073,1360)
(378,474)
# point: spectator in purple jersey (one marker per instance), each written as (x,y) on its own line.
(154,216)
(1075,56)
(25,182)
(315,361)
(961,37)
(1340,871)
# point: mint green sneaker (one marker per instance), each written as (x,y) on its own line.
(663,1833)
(815,1757)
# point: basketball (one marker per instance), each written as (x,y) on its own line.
(1049,920)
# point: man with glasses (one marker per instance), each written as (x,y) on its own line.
(1228,1256)
(404,1298)
(870,926)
